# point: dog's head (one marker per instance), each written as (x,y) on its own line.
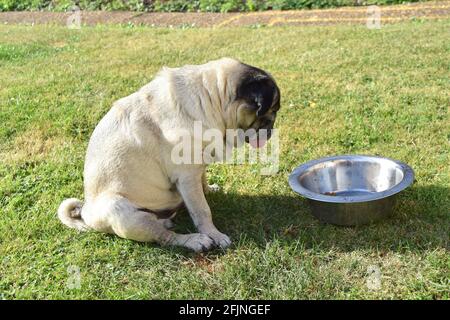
(257,102)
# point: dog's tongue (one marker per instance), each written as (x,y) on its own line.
(258,142)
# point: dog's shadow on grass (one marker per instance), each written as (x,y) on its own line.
(420,222)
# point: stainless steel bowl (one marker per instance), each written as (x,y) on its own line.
(351,190)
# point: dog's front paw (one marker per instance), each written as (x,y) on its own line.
(220,239)
(198,242)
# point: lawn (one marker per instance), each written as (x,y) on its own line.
(345,89)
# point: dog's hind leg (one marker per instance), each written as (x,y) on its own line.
(116,214)
(168,223)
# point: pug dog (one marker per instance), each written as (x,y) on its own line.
(132,186)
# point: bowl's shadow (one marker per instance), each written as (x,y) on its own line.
(420,222)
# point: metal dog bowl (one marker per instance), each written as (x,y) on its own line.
(351,190)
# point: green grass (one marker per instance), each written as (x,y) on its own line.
(183,6)
(344,90)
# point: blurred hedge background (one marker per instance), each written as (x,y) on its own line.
(184,6)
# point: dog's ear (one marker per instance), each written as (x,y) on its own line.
(258,92)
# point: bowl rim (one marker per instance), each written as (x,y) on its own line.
(408,179)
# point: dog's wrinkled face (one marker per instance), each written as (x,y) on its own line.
(258,100)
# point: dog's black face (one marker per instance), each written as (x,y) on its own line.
(260,101)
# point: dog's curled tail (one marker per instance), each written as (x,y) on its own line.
(69,212)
